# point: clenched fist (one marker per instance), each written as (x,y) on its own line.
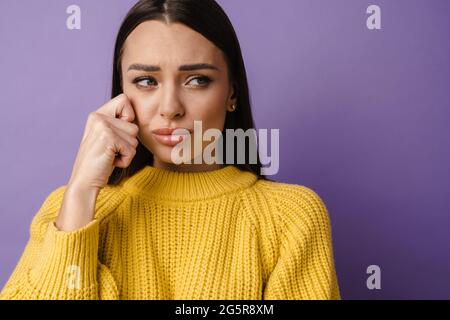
(109,140)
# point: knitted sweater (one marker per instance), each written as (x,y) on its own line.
(160,234)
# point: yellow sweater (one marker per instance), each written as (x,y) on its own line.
(161,234)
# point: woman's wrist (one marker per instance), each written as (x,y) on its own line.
(77,208)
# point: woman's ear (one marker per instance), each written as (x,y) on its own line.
(232,99)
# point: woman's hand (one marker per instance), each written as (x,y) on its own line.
(109,140)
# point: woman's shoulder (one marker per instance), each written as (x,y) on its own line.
(292,203)
(289,193)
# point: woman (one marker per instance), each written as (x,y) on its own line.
(133,224)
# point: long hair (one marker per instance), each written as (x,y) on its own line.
(207,18)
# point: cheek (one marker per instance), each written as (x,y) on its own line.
(210,109)
(211,116)
(143,114)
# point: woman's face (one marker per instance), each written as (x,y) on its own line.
(174,76)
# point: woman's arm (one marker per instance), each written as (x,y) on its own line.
(62,264)
(305,266)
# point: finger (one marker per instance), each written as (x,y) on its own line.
(123,152)
(129,138)
(119,107)
(123,160)
(130,128)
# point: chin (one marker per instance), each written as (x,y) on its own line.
(163,153)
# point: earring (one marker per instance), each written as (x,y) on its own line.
(233,107)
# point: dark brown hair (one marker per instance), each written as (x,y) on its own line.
(207,18)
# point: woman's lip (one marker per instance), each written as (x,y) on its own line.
(168,139)
(167,131)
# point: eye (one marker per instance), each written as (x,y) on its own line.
(140,82)
(202,81)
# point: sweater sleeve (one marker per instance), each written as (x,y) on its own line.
(305,266)
(62,265)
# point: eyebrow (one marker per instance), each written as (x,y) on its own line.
(185,67)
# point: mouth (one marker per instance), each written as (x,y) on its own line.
(166,136)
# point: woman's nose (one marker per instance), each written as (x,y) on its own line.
(171,107)
(171,114)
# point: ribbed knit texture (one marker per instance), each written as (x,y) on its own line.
(161,234)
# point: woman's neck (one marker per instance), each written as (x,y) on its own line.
(186,167)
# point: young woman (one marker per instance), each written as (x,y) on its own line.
(133,224)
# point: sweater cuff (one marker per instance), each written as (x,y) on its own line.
(67,260)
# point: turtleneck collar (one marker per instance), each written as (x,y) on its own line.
(188,186)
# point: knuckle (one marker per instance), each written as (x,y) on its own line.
(102,125)
(122,97)
(130,156)
(130,152)
(110,147)
(106,135)
(92,117)
(135,129)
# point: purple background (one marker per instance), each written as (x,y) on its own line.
(363,118)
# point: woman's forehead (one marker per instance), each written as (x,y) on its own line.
(156,42)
